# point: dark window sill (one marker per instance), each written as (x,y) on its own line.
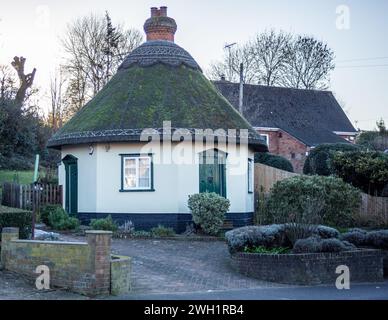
(145,190)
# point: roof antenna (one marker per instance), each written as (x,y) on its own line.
(229,48)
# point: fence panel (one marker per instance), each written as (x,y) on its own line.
(28,197)
(266,177)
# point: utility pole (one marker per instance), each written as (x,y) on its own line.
(241,93)
(229,48)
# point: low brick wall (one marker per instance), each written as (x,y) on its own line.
(310,269)
(80,267)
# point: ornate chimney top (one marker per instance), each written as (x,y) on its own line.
(160,26)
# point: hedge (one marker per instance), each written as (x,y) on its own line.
(319,160)
(274,161)
(17,218)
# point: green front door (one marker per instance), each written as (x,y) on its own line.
(212,172)
(71,199)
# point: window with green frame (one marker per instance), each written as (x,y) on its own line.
(136,173)
(250,176)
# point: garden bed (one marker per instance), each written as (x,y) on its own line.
(310,268)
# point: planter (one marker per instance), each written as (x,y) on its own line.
(310,269)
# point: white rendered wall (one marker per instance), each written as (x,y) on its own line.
(99,179)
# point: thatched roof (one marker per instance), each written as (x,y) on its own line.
(157,82)
(311,116)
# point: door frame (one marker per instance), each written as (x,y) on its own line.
(71,205)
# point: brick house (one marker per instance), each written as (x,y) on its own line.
(293,121)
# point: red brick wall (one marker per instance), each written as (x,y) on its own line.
(285,145)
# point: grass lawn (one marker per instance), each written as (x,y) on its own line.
(23,177)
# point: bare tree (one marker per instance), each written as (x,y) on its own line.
(8,80)
(229,67)
(310,62)
(269,51)
(25,80)
(57,100)
(278,58)
(94,48)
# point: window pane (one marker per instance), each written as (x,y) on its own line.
(130,163)
(144,173)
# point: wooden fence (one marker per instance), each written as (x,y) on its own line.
(30,197)
(266,177)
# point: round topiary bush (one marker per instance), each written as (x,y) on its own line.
(313,200)
(208,210)
(274,161)
(319,160)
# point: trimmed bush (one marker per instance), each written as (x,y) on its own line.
(319,160)
(378,239)
(106,224)
(358,237)
(256,236)
(208,210)
(313,199)
(274,161)
(59,220)
(277,236)
(16,218)
(367,171)
(317,245)
(161,231)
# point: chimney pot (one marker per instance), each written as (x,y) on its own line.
(154,12)
(163,11)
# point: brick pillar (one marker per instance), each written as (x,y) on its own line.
(7,235)
(100,244)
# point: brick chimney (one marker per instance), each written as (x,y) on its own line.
(160,26)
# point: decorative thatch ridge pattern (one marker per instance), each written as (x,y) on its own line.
(153,52)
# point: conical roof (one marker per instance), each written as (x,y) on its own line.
(159,81)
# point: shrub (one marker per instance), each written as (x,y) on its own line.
(59,220)
(161,231)
(316,245)
(356,236)
(106,224)
(327,233)
(208,210)
(319,160)
(16,218)
(313,199)
(46,210)
(378,239)
(367,171)
(274,161)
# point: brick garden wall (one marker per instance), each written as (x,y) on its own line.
(81,267)
(310,269)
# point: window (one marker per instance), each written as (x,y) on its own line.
(137,173)
(250,176)
(266,138)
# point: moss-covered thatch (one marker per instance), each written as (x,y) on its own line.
(144,97)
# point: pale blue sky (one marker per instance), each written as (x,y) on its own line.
(31,28)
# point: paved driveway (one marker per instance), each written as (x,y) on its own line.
(168,266)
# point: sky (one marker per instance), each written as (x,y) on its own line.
(355,29)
